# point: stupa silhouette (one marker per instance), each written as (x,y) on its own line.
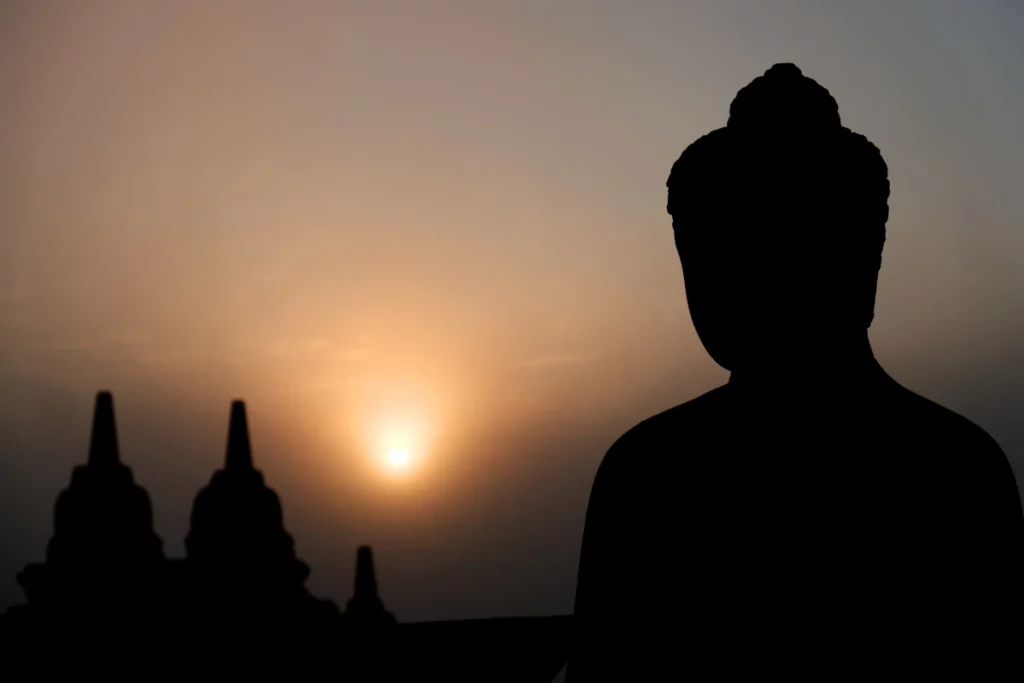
(366,608)
(241,557)
(104,551)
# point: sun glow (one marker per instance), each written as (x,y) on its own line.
(400,445)
(396,424)
(398,458)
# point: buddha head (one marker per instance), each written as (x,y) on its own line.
(779,221)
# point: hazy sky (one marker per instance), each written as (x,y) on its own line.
(445,222)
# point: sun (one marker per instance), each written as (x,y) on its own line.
(398,458)
(399,446)
(400,433)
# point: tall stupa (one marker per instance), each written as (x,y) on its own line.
(104,552)
(240,554)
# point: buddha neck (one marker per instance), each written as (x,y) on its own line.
(817,362)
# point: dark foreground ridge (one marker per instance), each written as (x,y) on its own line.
(107,600)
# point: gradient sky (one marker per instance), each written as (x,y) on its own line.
(450,216)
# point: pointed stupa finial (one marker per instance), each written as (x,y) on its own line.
(366,576)
(239,454)
(103,441)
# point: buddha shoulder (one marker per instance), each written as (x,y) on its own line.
(675,433)
(943,427)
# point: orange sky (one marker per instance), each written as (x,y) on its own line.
(345,212)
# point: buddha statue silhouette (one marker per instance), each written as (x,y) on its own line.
(811,513)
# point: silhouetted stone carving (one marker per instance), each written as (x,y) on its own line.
(366,608)
(240,555)
(104,552)
(811,512)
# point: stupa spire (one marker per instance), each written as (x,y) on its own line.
(366,576)
(239,452)
(103,448)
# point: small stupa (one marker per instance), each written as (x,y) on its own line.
(104,550)
(366,608)
(237,546)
